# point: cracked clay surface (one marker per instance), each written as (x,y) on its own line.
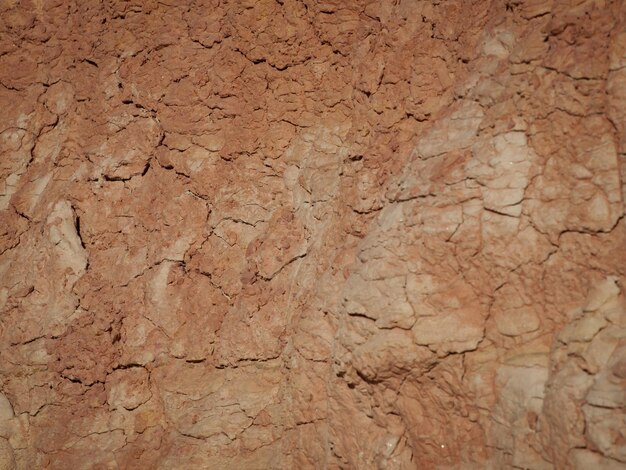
(281,234)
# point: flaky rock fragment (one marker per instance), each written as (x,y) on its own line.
(7,459)
(128,388)
(585,381)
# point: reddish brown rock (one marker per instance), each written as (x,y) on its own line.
(283,234)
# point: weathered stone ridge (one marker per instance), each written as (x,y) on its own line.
(283,234)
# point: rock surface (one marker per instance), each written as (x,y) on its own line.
(299,234)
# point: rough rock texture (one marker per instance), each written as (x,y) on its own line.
(280,234)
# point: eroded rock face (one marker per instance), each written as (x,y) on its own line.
(282,234)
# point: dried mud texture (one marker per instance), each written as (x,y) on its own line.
(299,234)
